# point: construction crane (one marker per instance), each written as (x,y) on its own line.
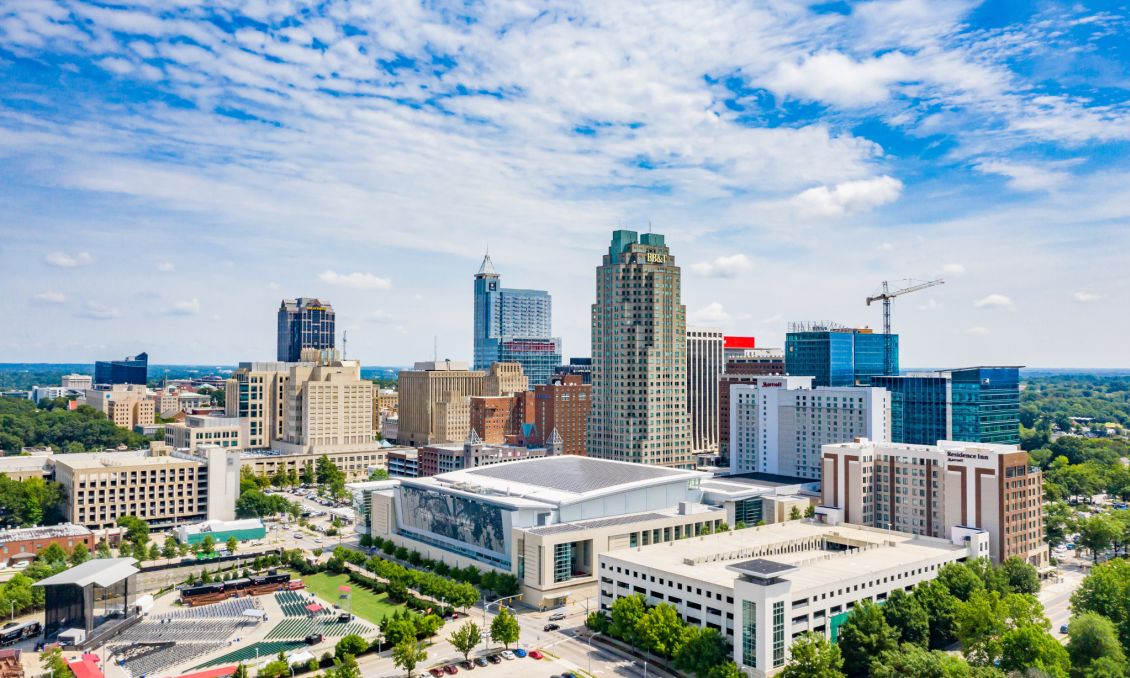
(911,285)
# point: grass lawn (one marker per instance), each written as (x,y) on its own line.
(366,604)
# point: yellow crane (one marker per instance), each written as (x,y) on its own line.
(887,293)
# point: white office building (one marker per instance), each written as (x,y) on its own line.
(704,365)
(778,424)
(762,587)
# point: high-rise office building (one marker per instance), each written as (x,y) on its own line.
(744,363)
(304,323)
(973,404)
(639,345)
(127,405)
(513,325)
(562,406)
(939,490)
(838,356)
(779,424)
(133,370)
(704,367)
(435,402)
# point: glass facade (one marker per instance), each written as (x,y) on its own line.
(748,511)
(304,323)
(513,325)
(778,634)
(840,357)
(919,408)
(749,634)
(975,405)
(562,562)
(132,370)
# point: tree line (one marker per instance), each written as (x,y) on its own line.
(51,424)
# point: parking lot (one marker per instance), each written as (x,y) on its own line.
(518,667)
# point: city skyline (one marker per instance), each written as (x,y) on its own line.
(170,175)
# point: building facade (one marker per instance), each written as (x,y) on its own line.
(78,382)
(582,367)
(762,588)
(132,370)
(639,344)
(385,404)
(304,323)
(493,418)
(25,543)
(562,405)
(423,390)
(196,430)
(838,356)
(327,406)
(504,379)
(939,490)
(256,393)
(704,367)
(973,404)
(127,405)
(356,464)
(780,424)
(513,325)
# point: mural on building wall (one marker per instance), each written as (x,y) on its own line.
(464,520)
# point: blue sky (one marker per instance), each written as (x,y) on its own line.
(169,170)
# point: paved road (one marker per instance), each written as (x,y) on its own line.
(1055,596)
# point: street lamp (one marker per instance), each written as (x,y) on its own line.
(590,650)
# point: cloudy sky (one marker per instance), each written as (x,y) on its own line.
(169,171)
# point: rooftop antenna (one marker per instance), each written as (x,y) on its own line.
(649,225)
(344,343)
(435,348)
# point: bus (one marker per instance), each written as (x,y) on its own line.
(13,633)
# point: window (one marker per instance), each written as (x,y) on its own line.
(749,634)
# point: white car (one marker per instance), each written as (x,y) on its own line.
(319,540)
(507,654)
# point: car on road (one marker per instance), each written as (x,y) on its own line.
(319,540)
(556,616)
(551,627)
(519,653)
(536,654)
(436,672)
(1063,628)
(297,535)
(466,665)
(451,669)
(494,659)
(506,654)
(481,661)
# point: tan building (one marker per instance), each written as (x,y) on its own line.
(32,463)
(384,404)
(503,379)
(127,405)
(356,465)
(77,382)
(939,491)
(206,430)
(256,393)
(161,487)
(423,388)
(327,406)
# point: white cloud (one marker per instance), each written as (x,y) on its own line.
(1023,177)
(930,305)
(361,281)
(711,314)
(272,286)
(185,307)
(978,331)
(166,267)
(51,298)
(1085,297)
(65,260)
(96,311)
(994,301)
(847,197)
(724,266)
(953,269)
(380,316)
(838,79)
(886,247)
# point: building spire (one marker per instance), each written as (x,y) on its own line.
(487,267)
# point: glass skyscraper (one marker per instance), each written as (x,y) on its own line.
(973,404)
(838,356)
(304,323)
(133,370)
(514,325)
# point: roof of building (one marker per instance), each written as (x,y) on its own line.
(223,526)
(46,532)
(719,559)
(101,571)
(111,460)
(554,480)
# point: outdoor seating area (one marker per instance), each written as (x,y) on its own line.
(233,607)
(143,659)
(293,627)
(294,604)
(250,652)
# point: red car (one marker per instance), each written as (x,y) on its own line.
(437,672)
(535,654)
(451,669)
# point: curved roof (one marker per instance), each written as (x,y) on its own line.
(101,571)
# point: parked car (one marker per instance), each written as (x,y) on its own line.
(436,672)
(466,665)
(313,639)
(556,616)
(550,627)
(1063,628)
(519,653)
(451,669)
(481,661)
(494,659)
(506,654)
(536,654)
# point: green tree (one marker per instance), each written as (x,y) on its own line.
(53,663)
(794,513)
(154,552)
(504,628)
(702,650)
(1092,636)
(103,549)
(626,613)
(1106,591)
(907,616)
(307,476)
(812,656)
(1096,534)
(352,644)
(344,667)
(911,661)
(233,545)
(1020,576)
(53,553)
(378,474)
(726,670)
(1059,521)
(865,634)
(80,554)
(1031,647)
(240,671)
(407,654)
(208,544)
(959,580)
(137,530)
(466,638)
(1103,667)
(169,550)
(662,631)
